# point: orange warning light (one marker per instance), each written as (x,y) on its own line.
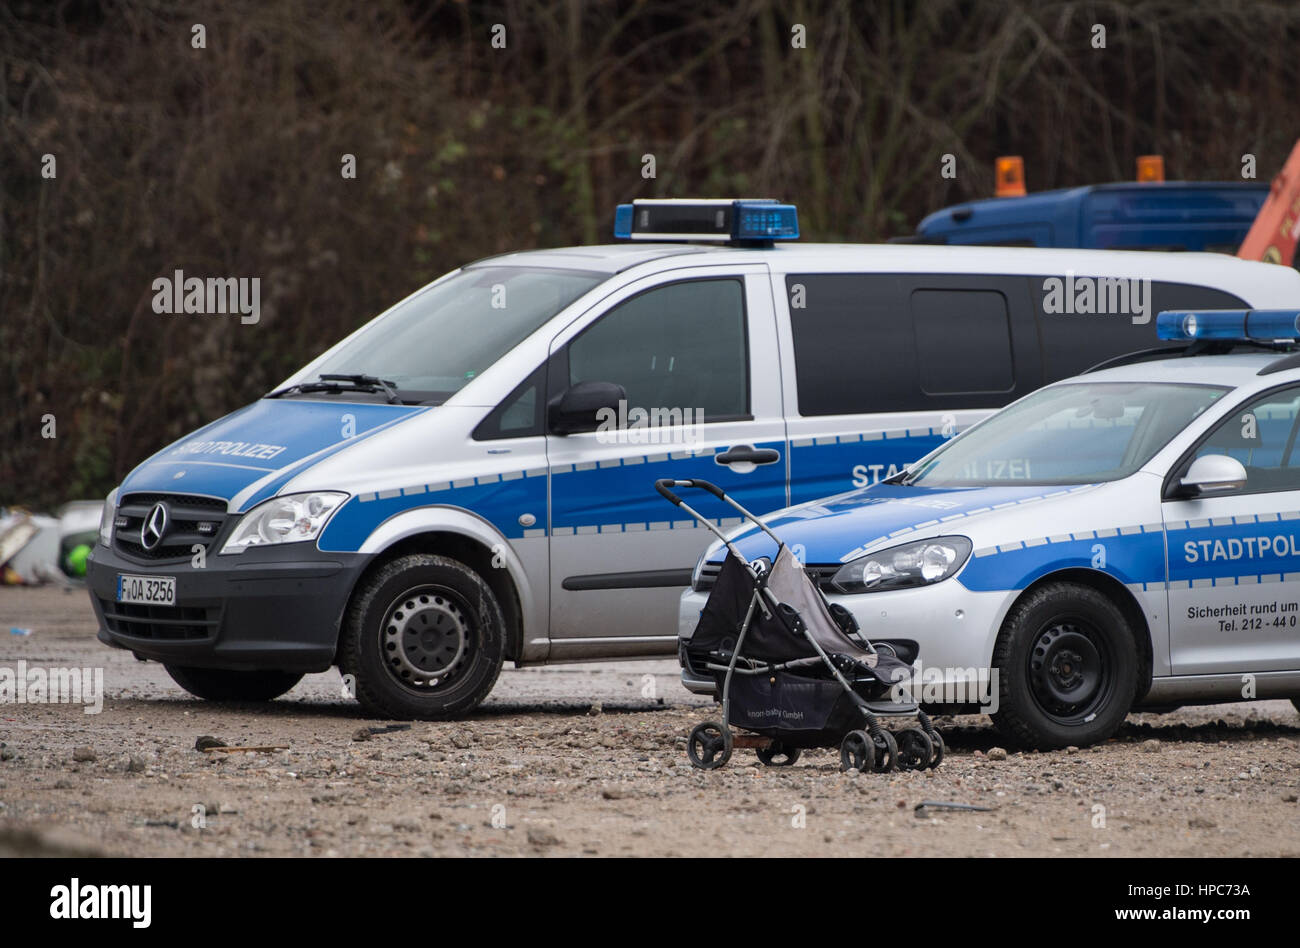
(1151,168)
(1010,174)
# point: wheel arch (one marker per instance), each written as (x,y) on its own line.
(463,536)
(1123,599)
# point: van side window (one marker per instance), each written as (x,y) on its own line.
(854,349)
(1262,436)
(1085,322)
(963,341)
(520,413)
(674,348)
(884,342)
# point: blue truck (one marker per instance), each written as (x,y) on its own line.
(1173,215)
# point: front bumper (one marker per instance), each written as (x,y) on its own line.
(277,608)
(953,628)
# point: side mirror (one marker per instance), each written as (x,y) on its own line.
(1213,474)
(578,407)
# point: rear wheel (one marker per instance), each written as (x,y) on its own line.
(1067,668)
(215,684)
(424,638)
(1295,702)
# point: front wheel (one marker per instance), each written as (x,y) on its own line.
(215,684)
(1067,668)
(424,638)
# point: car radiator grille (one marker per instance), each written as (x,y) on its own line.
(191,520)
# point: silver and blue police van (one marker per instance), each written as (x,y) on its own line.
(468,478)
(1126,537)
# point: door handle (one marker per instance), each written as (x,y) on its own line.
(747,453)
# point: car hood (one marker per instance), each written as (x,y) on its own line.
(248,455)
(840,528)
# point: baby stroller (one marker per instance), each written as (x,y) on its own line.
(793,670)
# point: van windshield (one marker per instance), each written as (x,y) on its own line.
(433,344)
(1081,433)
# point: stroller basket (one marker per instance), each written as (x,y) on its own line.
(793,670)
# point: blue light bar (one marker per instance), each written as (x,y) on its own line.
(1207,324)
(623,222)
(765,221)
(1258,324)
(744,221)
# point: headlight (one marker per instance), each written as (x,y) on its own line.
(106,518)
(911,564)
(288,519)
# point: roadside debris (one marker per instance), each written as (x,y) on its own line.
(35,548)
(919,811)
(16,630)
(208,742)
(84,755)
(997,753)
(255,749)
(541,836)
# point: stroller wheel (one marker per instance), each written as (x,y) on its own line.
(777,754)
(915,749)
(857,752)
(886,752)
(936,740)
(709,746)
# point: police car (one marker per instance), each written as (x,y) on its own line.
(467,479)
(1127,537)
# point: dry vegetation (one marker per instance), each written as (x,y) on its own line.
(225,161)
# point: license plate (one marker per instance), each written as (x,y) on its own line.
(147,590)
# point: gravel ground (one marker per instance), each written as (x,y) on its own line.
(589,759)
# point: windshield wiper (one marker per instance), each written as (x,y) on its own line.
(332,382)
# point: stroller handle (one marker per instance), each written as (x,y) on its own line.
(665,484)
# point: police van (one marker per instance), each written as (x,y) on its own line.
(467,479)
(1128,537)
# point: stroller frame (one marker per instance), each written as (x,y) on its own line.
(871,749)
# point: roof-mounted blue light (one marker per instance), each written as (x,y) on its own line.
(744,221)
(623,222)
(1264,325)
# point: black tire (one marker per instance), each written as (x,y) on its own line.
(424,638)
(215,684)
(915,749)
(709,745)
(886,752)
(1067,668)
(857,752)
(936,741)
